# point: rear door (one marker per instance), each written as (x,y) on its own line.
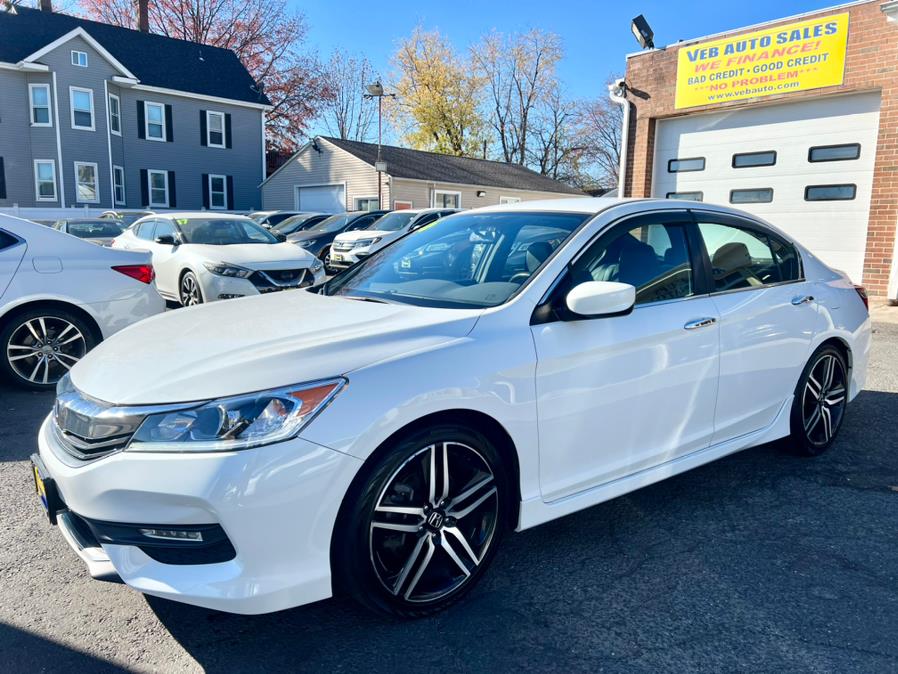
(12,250)
(768,319)
(165,258)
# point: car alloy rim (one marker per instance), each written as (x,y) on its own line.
(190,292)
(823,400)
(42,349)
(434,522)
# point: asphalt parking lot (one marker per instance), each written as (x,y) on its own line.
(762,561)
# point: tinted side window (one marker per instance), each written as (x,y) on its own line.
(7,240)
(740,258)
(163,228)
(363,223)
(145,230)
(653,257)
(787,259)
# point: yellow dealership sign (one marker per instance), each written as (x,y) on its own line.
(795,57)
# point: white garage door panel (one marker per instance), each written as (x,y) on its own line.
(321,198)
(834,230)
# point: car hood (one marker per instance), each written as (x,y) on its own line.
(255,343)
(254,255)
(366,234)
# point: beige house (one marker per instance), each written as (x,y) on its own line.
(333,175)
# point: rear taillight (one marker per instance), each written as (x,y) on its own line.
(142,272)
(862,293)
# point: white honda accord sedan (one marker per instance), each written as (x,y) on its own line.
(495,370)
(202,257)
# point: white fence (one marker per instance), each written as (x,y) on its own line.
(50,214)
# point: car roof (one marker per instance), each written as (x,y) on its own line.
(205,215)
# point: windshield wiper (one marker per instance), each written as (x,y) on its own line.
(367,299)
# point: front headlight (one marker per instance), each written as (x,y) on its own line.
(305,243)
(317,266)
(364,243)
(225,269)
(238,422)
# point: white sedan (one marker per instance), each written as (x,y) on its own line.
(350,247)
(60,295)
(379,437)
(202,257)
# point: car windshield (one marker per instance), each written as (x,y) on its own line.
(292,223)
(393,222)
(125,219)
(94,229)
(223,232)
(465,261)
(332,224)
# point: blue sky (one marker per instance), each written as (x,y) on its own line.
(596,34)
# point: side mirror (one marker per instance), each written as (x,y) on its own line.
(280,236)
(166,240)
(601,298)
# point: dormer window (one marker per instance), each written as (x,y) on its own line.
(79,58)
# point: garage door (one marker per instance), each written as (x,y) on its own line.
(806,167)
(321,198)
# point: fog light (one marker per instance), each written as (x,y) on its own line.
(172,534)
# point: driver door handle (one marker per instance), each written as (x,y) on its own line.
(700,323)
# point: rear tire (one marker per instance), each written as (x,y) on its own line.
(409,542)
(820,403)
(40,345)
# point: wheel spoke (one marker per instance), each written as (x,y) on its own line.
(811,423)
(444,543)
(445,472)
(486,485)
(454,531)
(37,367)
(32,330)
(20,347)
(71,339)
(813,386)
(46,369)
(829,367)
(33,353)
(43,328)
(401,510)
(64,332)
(835,396)
(395,526)
(422,567)
(827,423)
(72,358)
(409,565)
(432,479)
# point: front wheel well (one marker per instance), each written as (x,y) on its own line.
(59,305)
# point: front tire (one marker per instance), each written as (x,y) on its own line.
(41,345)
(189,291)
(423,525)
(821,399)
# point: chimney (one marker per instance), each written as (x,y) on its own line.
(46,6)
(143,18)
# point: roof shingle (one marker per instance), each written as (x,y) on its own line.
(419,165)
(156,60)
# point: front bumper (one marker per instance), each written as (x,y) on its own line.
(344,259)
(217,287)
(277,505)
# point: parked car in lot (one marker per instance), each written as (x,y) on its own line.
(318,239)
(350,247)
(125,217)
(95,230)
(202,257)
(269,219)
(260,460)
(297,223)
(60,296)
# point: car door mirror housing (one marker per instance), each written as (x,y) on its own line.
(166,240)
(592,299)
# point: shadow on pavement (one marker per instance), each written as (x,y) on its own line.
(22,651)
(22,412)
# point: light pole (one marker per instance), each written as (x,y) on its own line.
(376,90)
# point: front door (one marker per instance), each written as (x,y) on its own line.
(165,259)
(621,394)
(768,319)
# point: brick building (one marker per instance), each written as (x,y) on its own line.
(795,120)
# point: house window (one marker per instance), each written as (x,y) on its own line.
(830,192)
(509,200)
(215,129)
(367,203)
(834,152)
(86,191)
(760,195)
(82,102)
(158,188)
(118,184)
(443,199)
(40,104)
(79,58)
(45,179)
(115,115)
(750,159)
(686,196)
(155,121)
(686,165)
(218,192)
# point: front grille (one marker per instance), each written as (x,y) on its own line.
(86,449)
(343,246)
(272,280)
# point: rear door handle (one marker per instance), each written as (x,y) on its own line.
(700,323)
(802,299)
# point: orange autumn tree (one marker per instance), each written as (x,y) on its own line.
(267,37)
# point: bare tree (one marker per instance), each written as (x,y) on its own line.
(345,114)
(598,133)
(519,72)
(554,150)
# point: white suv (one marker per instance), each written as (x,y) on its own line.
(350,247)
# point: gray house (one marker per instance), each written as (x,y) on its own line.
(101,116)
(333,175)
